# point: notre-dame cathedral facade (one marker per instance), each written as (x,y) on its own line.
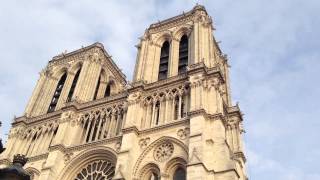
(174,121)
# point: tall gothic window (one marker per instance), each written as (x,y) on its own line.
(108,90)
(176,107)
(57,93)
(73,85)
(183,54)
(97,89)
(157,113)
(164,61)
(179,174)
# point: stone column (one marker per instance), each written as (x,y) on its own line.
(65,91)
(174,58)
(35,94)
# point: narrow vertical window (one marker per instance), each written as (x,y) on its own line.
(57,93)
(97,89)
(157,113)
(180,174)
(73,85)
(164,61)
(107,92)
(183,55)
(176,108)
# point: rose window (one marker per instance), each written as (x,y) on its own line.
(164,151)
(97,170)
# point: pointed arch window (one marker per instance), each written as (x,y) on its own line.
(57,93)
(176,108)
(164,61)
(183,54)
(73,85)
(179,174)
(108,90)
(97,89)
(154,176)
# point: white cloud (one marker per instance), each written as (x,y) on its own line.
(273,48)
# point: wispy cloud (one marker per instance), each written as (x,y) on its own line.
(273,48)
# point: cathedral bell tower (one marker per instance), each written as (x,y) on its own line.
(181,79)
(82,78)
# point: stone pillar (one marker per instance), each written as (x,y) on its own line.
(45,96)
(35,94)
(65,91)
(174,58)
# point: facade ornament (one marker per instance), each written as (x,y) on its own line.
(242,130)
(163,152)
(143,143)
(183,133)
(67,157)
(117,146)
(67,116)
(196,80)
(133,98)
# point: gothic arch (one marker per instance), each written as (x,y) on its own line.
(75,66)
(184,30)
(165,36)
(157,142)
(80,161)
(148,170)
(174,164)
(57,73)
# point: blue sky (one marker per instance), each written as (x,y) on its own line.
(273,47)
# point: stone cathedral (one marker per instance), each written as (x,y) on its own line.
(174,121)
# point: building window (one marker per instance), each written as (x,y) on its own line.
(97,89)
(108,90)
(179,174)
(176,108)
(183,55)
(157,113)
(73,85)
(57,93)
(164,61)
(154,176)
(97,170)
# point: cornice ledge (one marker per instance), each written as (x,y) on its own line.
(130,129)
(38,157)
(197,112)
(164,126)
(95,143)
(5,161)
(59,147)
(235,111)
(120,96)
(240,155)
(45,116)
(202,68)
(167,81)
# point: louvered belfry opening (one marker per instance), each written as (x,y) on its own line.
(57,93)
(73,85)
(183,55)
(164,61)
(97,88)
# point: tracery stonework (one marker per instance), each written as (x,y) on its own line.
(175,120)
(97,170)
(164,151)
